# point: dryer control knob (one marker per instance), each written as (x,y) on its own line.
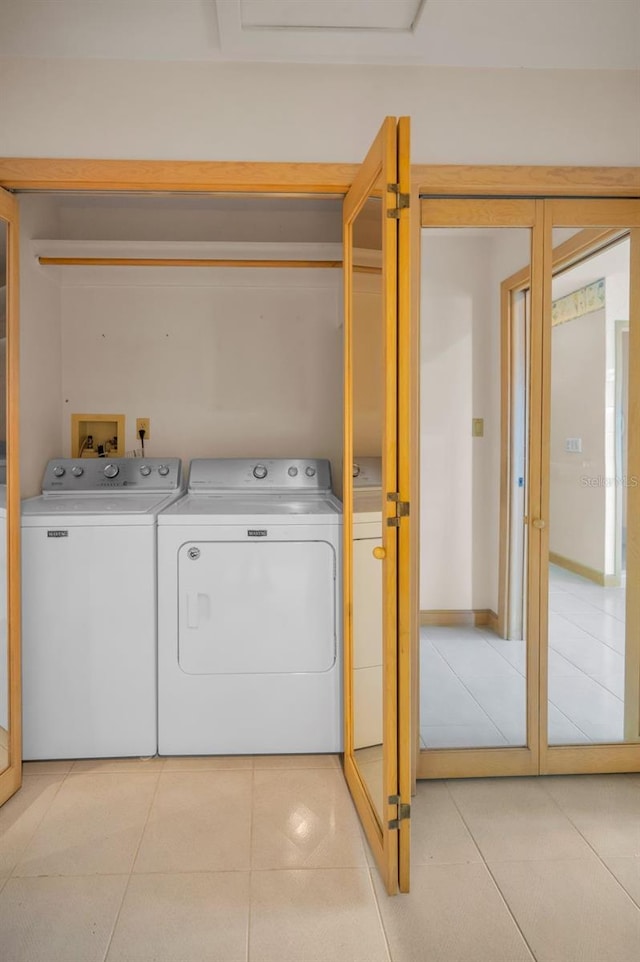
(145,470)
(293,471)
(58,471)
(310,471)
(77,471)
(260,471)
(163,470)
(111,471)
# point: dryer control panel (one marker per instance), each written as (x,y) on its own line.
(266,474)
(89,475)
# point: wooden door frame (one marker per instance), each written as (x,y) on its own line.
(11,777)
(517,283)
(520,214)
(482,181)
(78,174)
(622,756)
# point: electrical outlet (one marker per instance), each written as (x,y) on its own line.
(143,424)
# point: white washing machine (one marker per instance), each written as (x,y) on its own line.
(249,611)
(367,602)
(89,607)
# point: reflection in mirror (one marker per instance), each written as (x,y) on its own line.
(368,430)
(4,654)
(472,569)
(590,651)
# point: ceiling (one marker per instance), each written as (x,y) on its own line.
(574,34)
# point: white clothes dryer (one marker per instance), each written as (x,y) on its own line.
(249,612)
(89,607)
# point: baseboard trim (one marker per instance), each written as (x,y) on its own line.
(459,618)
(592,574)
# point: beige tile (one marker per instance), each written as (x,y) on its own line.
(605,808)
(297,761)
(59,919)
(438,834)
(571,910)
(199,822)
(110,765)
(200,763)
(515,819)
(454,913)
(304,819)
(627,871)
(21,815)
(47,768)
(315,916)
(93,826)
(183,918)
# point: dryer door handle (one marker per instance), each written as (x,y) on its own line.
(198,608)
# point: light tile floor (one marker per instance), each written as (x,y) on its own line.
(253,860)
(473,682)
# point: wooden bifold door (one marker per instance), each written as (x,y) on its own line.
(529,500)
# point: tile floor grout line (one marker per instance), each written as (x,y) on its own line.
(489,718)
(32,835)
(133,862)
(369,870)
(492,876)
(570,720)
(574,624)
(587,842)
(583,672)
(523,674)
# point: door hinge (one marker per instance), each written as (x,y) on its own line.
(403,201)
(402,509)
(404,811)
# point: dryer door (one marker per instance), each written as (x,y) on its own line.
(258,608)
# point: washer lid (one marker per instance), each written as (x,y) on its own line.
(93,509)
(236,509)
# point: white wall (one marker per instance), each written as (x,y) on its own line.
(225,362)
(101,108)
(460,380)
(577,481)
(40,347)
(459,497)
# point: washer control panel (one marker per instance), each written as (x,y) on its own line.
(65,475)
(268,474)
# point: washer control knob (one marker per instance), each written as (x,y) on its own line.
(145,470)
(111,471)
(77,471)
(356,469)
(163,470)
(260,472)
(310,471)
(58,471)
(293,471)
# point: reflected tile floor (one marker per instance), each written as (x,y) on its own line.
(503,870)
(473,682)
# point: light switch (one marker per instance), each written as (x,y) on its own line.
(477,427)
(573,445)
